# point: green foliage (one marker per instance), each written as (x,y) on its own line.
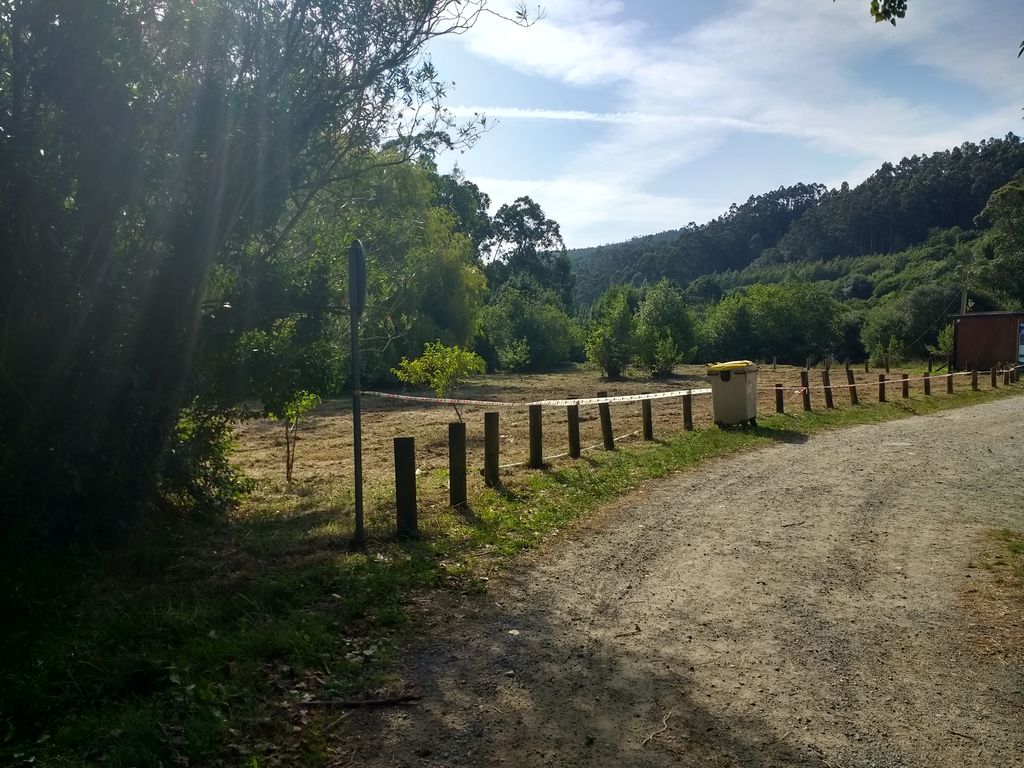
(908,324)
(143,143)
(943,347)
(893,210)
(525,243)
(196,477)
(515,355)
(664,333)
(441,368)
(888,10)
(299,405)
(1000,262)
(521,312)
(787,322)
(610,334)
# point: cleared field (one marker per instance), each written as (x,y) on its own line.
(324,454)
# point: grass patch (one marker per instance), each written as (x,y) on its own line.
(197,645)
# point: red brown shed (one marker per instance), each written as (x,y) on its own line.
(983,338)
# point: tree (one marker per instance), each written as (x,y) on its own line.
(469,205)
(664,329)
(528,329)
(525,242)
(441,368)
(789,322)
(610,335)
(1000,261)
(144,142)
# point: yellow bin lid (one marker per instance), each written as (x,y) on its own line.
(734,365)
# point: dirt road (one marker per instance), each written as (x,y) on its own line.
(797,606)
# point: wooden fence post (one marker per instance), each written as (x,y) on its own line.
(648,419)
(405,487)
(606,423)
(491,477)
(1006,374)
(867,366)
(805,384)
(536,438)
(927,383)
(992,375)
(572,418)
(827,384)
(906,384)
(887,364)
(881,387)
(929,363)
(949,383)
(974,379)
(456,463)
(688,412)
(853,387)
(780,399)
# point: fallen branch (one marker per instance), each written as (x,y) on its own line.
(962,735)
(664,727)
(790,525)
(389,701)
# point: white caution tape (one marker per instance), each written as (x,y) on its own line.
(549,403)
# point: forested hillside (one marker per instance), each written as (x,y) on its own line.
(895,209)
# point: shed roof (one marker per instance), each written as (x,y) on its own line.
(990,314)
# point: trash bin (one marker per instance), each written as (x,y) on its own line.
(734,392)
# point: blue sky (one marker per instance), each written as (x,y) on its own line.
(626,118)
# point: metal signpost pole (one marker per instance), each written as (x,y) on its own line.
(356,303)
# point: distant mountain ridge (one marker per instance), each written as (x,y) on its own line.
(893,209)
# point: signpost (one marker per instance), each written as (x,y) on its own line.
(356,304)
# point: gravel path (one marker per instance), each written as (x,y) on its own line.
(795,606)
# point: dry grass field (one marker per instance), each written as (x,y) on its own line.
(323,462)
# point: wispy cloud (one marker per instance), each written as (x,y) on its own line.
(750,70)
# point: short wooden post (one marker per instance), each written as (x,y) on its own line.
(536,438)
(606,423)
(456,463)
(927,383)
(853,387)
(780,399)
(846,363)
(572,418)
(1006,374)
(405,487)
(805,385)
(974,379)
(949,383)
(648,419)
(905,380)
(688,412)
(881,387)
(827,384)
(992,375)
(867,366)
(491,477)
(887,364)
(929,363)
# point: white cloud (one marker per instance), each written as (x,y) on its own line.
(752,69)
